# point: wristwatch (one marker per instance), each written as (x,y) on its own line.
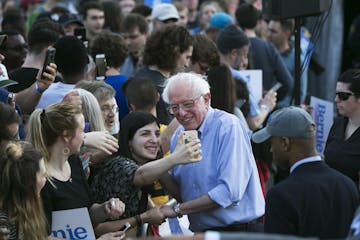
(177,210)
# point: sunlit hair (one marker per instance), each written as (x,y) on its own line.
(193,81)
(91,110)
(164,47)
(19,198)
(45,126)
(101,90)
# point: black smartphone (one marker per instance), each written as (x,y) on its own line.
(126,227)
(3,37)
(100,62)
(49,58)
(80,33)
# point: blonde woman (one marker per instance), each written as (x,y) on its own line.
(58,132)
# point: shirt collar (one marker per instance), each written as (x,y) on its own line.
(207,119)
(305,160)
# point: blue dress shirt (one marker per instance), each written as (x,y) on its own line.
(227,173)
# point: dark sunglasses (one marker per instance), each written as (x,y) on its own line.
(343,96)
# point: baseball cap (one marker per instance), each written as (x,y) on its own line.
(4,77)
(164,11)
(293,122)
(67,18)
(220,20)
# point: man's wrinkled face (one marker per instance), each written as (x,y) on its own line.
(189,108)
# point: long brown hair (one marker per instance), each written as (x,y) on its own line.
(19,198)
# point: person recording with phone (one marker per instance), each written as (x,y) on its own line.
(112,46)
(342,147)
(233,45)
(138,164)
(72,59)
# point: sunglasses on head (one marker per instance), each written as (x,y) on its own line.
(343,96)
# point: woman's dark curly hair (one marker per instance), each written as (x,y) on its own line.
(163,47)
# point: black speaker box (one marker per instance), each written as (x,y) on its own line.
(282,9)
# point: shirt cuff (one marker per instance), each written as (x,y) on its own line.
(221,196)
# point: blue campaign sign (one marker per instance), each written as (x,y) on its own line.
(323,114)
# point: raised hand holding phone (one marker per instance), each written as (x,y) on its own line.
(101,65)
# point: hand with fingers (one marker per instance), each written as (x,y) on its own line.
(102,141)
(113,236)
(73,97)
(155,216)
(114,208)
(185,153)
(269,100)
(45,79)
(168,211)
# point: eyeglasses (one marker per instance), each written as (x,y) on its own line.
(343,96)
(107,109)
(186,105)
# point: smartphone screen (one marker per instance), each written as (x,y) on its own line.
(126,227)
(100,62)
(49,58)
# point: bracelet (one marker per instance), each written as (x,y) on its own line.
(38,90)
(138,220)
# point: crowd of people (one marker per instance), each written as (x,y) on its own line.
(118,147)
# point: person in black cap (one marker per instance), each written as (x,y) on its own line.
(264,55)
(315,200)
(233,45)
(70,22)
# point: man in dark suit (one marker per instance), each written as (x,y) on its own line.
(314,200)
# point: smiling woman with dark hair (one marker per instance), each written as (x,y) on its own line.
(342,150)
(128,175)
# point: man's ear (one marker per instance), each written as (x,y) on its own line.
(207,98)
(234,53)
(286,143)
(158,97)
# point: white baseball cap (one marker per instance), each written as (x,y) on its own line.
(164,11)
(4,77)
